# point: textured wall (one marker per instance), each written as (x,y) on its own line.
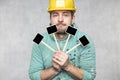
(20,20)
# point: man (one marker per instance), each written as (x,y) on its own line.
(79,64)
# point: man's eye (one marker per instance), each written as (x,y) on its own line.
(66,15)
(55,15)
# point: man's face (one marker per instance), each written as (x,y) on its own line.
(62,19)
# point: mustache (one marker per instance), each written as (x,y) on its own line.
(60,23)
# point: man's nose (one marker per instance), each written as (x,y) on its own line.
(60,18)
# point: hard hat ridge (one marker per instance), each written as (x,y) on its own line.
(61,5)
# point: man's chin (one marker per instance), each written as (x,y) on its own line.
(61,32)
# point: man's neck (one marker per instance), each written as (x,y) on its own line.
(60,36)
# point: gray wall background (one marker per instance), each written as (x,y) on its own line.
(20,20)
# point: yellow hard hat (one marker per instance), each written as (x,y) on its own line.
(61,5)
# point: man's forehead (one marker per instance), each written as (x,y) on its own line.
(61,11)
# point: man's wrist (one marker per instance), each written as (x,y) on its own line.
(56,70)
(68,67)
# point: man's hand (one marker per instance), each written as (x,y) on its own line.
(61,58)
(56,66)
(62,62)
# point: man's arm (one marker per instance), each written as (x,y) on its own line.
(48,73)
(87,70)
(74,71)
(36,69)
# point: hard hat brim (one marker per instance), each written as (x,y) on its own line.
(68,9)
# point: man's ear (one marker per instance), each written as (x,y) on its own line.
(73,19)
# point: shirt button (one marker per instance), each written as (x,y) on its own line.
(67,49)
(74,54)
(58,78)
(74,50)
(77,42)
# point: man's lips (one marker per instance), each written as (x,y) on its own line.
(60,24)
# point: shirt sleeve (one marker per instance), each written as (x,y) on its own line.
(36,63)
(88,62)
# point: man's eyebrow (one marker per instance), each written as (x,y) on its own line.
(54,13)
(65,12)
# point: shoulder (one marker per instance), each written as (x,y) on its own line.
(79,34)
(45,36)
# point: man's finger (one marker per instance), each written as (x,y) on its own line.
(56,61)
